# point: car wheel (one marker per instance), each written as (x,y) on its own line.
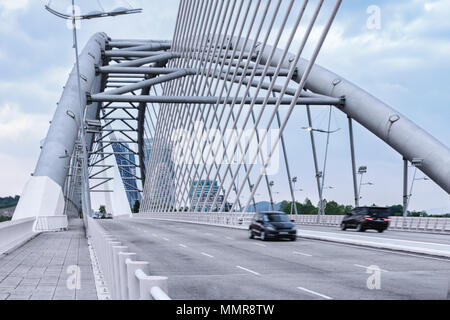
(380,231)
(294,239)
(263,236)
(250,234)
(359,228)
(343,227)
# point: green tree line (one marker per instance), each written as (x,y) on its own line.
(8,202)
(334,208)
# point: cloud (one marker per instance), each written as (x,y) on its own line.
(18,126)
(8,5)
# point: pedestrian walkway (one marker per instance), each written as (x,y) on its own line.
(46,268)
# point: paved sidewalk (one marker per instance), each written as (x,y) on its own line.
(45,267)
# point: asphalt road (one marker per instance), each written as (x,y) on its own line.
(210,263)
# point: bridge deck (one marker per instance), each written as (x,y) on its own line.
(38,270)
(207,262)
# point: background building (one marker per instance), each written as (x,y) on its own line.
(126,162)
(200,199)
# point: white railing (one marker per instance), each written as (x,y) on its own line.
(213,218)
(125,277)
(414,224)
(14,233)
(51,223)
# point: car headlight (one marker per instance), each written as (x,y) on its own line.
(270,227)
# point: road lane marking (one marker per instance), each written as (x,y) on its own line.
(360,266)
(182,245)
(248,270)
(165,239)
(259,244)
(316,293)
(207,255)
(302,254)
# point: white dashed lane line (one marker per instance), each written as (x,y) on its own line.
(260,245)
(207,255)
(315,293)
(182,245)
(248,270)
(302,254)
(367,268)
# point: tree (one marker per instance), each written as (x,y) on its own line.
(396,210)
(136,206)
(309,208)
(102,209)
(333,208)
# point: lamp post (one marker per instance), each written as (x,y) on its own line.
(97,14)
(361,171)
(294,181)
(271,184)
(405,211)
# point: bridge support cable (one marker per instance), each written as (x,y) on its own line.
(305,75)
(189,120)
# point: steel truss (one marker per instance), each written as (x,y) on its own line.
(191,118)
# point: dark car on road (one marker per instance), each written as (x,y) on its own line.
(365,218)
(272,225)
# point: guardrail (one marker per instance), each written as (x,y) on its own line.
(125,277)
(412,224)
(14,233)
(51,223)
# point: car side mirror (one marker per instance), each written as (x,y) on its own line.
(292,220)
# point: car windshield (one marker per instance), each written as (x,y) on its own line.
(276,218)
(379,212)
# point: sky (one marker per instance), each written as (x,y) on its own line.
(403,61)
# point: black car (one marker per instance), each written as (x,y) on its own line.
(272,225)
(365,218)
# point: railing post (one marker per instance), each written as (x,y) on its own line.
(133,282)
(111,275)
(117,283)
(147,283)
(123,256)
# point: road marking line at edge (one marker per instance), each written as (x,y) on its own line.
(303,254)
(360,266)
(316,293)
(248,270)
(182,245)
(207,255)
(165,239)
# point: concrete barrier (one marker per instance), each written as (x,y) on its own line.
(15,233)
(51,223)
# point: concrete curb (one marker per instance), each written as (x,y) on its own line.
(361,243)
(372,244)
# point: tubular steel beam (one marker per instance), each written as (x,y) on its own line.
(211,100)
(63,130)
(388,124)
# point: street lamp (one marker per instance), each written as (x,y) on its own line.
(361,171)
(74,18)
(309,129)
(405,211)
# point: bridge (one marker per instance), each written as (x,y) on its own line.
(188,132)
